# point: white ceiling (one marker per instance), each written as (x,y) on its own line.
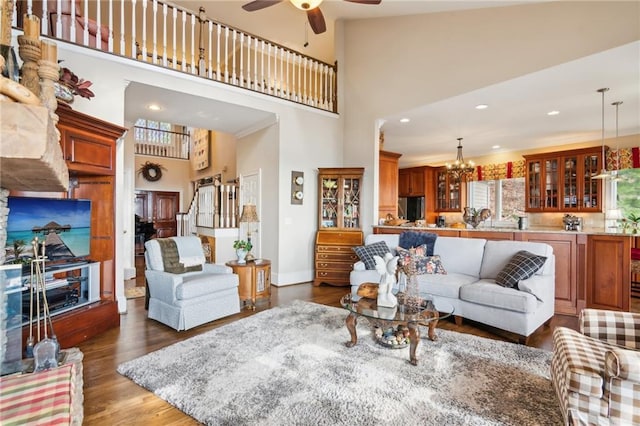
(516,118)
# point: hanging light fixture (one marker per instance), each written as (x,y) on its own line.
(614,173)
(460,168)
(306,4)
(604,174)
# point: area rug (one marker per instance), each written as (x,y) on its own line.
(134,292)
(289,365)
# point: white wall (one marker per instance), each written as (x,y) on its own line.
(392,65)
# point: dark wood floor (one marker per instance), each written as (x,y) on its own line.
(113,399)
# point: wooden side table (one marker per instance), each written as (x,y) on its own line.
(255,280)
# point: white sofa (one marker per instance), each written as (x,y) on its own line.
(188,299)
(472,265)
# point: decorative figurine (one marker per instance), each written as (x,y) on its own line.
(386,267)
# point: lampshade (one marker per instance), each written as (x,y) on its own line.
(603,172)
(249,214)
(306,4)
(459,168)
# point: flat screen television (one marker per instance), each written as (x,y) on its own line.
(63,224)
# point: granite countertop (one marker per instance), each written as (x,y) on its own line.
(541,229)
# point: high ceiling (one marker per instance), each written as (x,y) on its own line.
(516,116)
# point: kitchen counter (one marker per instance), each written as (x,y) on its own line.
(554,229)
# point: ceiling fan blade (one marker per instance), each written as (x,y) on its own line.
(259,4)
(365,1)
(316,20)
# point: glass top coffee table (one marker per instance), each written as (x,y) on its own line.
(396,327)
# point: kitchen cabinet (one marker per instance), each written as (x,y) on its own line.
(564,181)
(339,192)
(449,192)
(388,184)
(609,272)
(411,182)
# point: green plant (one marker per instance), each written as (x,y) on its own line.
(18,248)
(242,244)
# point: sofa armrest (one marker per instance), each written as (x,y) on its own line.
(359,266)
(540,286)
(623,364)
(615,327)
(214,268)
(162,285)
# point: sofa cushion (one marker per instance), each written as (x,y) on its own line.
(522,265)
(487,293)
(461,255)
(366,253)
(444,285)
(197,285)
(498,253)
(411,239)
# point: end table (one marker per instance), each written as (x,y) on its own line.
(255,280)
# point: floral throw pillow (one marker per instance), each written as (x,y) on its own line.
(404,255)
(429,265)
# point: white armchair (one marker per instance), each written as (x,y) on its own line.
(184,291)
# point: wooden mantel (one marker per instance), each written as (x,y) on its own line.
(30,153)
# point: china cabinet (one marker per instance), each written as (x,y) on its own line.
(564,181)
(339,228)
(340,191)
(448,192)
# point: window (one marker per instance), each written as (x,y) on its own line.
(627,191)
(155,132)
(505,198)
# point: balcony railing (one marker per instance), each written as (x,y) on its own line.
(173,37)
(161,143)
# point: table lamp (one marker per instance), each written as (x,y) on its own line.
(249,216)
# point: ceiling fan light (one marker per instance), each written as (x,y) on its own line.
(306,4)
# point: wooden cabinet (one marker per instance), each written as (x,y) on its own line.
(608,272)
(564,181)
(449,192)
(488,235)
(88,144)
(388,184)
(565,249)
(339,192)
(254,280)
(334,257)
(411,182)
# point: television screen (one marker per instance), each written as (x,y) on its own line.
(63,224)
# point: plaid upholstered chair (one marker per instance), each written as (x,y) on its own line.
(596,372)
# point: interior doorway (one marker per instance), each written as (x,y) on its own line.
(158,208)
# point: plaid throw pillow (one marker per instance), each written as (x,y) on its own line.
(366,253)
(522,265)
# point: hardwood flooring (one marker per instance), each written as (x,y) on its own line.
(111,399)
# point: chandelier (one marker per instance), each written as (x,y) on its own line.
(460,169)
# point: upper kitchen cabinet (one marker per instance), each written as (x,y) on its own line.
(411,182)
(564,181)
(339,197)
(449,192)
(388,184)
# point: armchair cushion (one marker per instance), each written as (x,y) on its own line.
(622,363)
(617,328)
(201,284)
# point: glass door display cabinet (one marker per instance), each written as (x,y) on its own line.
(340,191)
(564,181)
(448,192)
(339,224)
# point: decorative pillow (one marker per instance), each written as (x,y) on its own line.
(409,239)
(429,265)
(366,253)
(405,254)
(522,265)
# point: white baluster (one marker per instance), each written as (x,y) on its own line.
(210,73)
(248,77)
(165,10)
(184,40)
(315,83)
(304,80)
(226,54)
(175,32)
(193,44)
(98,24)
(72,31)
(44,19)
(331,89)
(255,64)
(274,85)
(241,82)
(262,79)
(134,49)
(144,30)
(110,46)
(288,66)
(58,21)
(233,57)
(154,53)
(218,53)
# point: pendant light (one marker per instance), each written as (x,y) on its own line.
(603,172)
(614,173)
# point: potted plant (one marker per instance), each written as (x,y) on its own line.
(635,220)
(242,248)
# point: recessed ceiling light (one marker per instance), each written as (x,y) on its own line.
(154,107)
(404,120)
(554,112)
(482,106)
(495,147)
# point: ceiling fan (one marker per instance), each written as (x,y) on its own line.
(314,14)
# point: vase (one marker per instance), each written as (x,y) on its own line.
(63,93)
(242,254)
